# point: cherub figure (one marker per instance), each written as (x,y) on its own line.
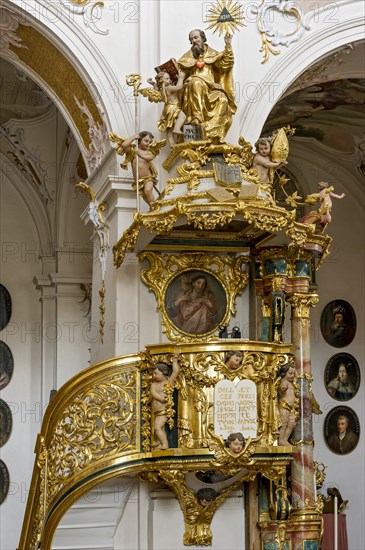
(233,359)
(324,197)
(162,376)
(287,403)
(172,117)
(141,160)
(235,443)
(263,162)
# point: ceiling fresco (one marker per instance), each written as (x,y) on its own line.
(330,112)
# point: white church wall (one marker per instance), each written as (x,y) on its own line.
(19,264)
(153,519)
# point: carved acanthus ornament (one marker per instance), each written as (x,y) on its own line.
(301,304)
(269,219)
(299,233)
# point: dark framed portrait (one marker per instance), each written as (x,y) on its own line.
(6,422)
(342,376)
(4,481)
(338,323)
(341,430)
(195,302)
(5,307)
(6,365)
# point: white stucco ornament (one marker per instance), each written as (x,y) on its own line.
(9,22)
(280,23)
(98,137)
(91,12)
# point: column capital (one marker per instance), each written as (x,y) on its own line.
(301,304)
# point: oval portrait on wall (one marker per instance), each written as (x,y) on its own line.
(6,422)
(342,376)
(195,302)
(6,365)
(5,307)
(4,481)
(338,323)
(341,430)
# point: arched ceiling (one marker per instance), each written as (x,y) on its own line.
(39,154)
(326,106)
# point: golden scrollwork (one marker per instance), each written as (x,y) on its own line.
(97,423)
(265,308)
(299,233)
(268,218)
(281,536)
(127,241)
(166,269)
(271,36)
(301,304)
(146,416)
(320,473)
(209,221)
(161,225)
(302,442)
(40,515)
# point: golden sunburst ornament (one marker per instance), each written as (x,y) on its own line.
(225,17)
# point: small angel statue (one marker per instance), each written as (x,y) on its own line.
(324,197)
(172,117)
(141,160)
(263,161)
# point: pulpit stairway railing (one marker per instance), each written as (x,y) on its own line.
(100,425)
